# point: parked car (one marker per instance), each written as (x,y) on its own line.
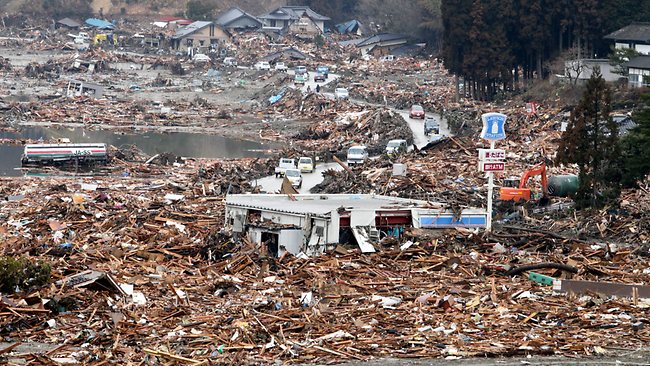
(319,77)
(357,154)
(230,61)
(396,147)
(324,70)
(200,57)
(305,165)
(341,93)
(294,177)
(280,66)
(284,164)
(431,126)
(417,112)
(301,70)
(262,65)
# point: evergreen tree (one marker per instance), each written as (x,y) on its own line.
(591,142)
(636,146)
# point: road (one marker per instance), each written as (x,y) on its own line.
(309,180)
(272,184)
(417,127)
(311,84)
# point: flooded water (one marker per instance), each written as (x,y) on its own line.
(178,143)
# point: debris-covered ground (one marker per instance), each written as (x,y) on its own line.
(142,268)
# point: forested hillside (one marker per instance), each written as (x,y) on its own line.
(490,43)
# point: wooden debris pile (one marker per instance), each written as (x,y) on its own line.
(142,273)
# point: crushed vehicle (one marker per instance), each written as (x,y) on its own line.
(283,165)
(357,154)
(294,176)
(396,147)
(262,65)
(200,57)
(341,93)
(230,61)
(305,164)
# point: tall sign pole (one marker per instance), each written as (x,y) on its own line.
(491,160)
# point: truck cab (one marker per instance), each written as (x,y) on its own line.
(283,165)
(357,155)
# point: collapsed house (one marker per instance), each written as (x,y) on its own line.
(314,223)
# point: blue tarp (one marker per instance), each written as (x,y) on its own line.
(98,23)
(275,98)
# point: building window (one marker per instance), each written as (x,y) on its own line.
(201,43)
(190,42)
(212,30)
(273,23)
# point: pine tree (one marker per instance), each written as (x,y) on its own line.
(591,142)
(636,146)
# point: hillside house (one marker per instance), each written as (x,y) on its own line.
(201,35)
(238,20)
(638,69)
(635,35)
(297,20)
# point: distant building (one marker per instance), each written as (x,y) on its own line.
(285,54)
(239,20)
(201,34)
(638,69)
(583,69)
(314,223)
(635,36)
(297,20)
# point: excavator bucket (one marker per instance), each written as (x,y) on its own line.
(514,194)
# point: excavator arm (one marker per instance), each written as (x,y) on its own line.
(523,192)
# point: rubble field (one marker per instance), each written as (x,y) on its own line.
(142,268)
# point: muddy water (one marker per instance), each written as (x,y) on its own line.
(178,143)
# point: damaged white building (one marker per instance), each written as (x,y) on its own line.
(314,223)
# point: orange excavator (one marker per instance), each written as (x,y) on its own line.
(522,192)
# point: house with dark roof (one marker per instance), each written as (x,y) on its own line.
(200,34)
(297,20)
(377,45)
(638,70)
(287,54)
(237,19)
(635,36)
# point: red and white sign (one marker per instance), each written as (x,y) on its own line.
(531,108)
(491,154)
(491,166)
